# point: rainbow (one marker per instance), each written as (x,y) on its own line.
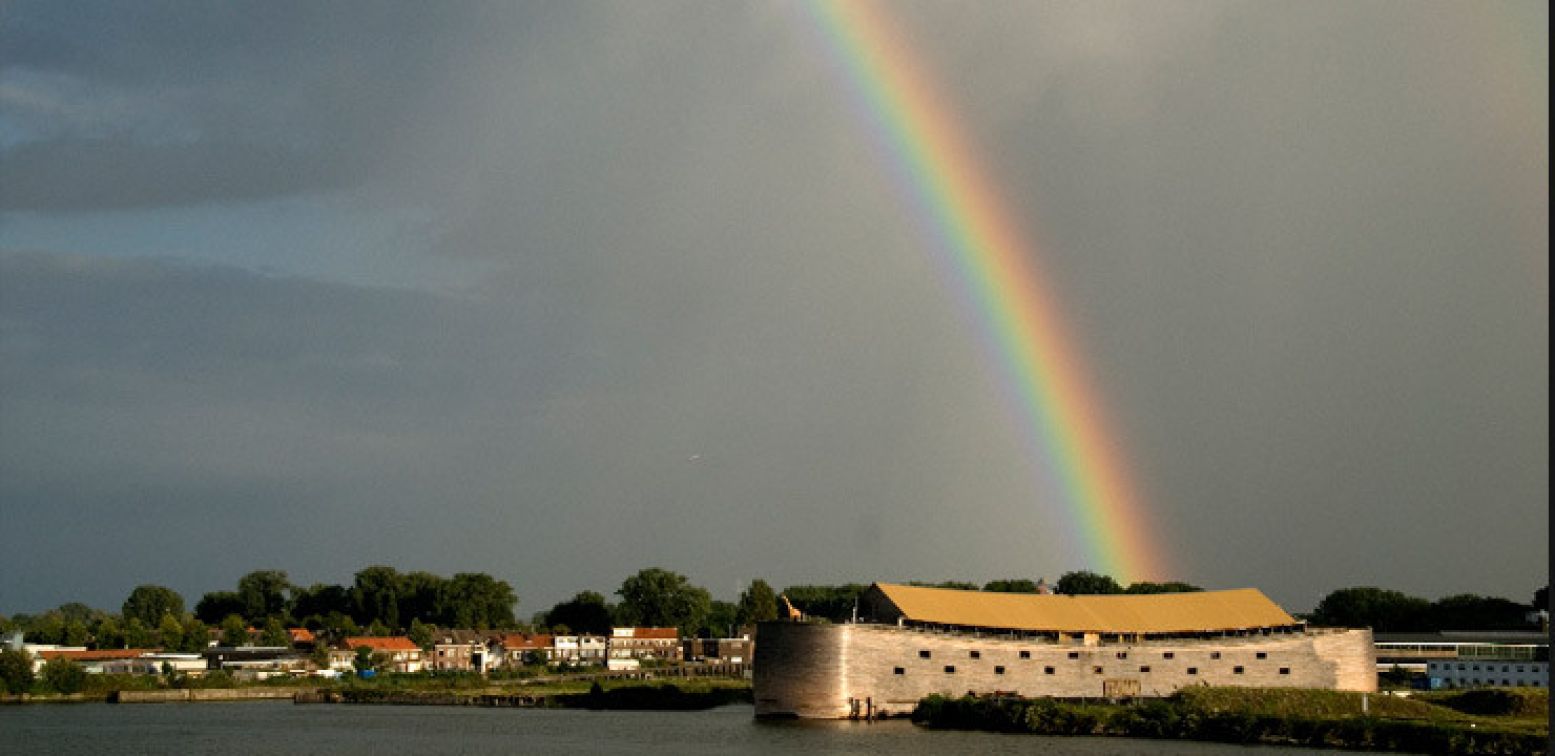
(961,205)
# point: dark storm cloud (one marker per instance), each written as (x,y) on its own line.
(116,106)
(1301,246)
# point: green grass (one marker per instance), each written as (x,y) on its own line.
(1320,718)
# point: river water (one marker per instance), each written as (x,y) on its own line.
(278,727)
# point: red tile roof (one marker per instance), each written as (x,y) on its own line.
(301,635)
(514,641)
(395,643)
(668,633)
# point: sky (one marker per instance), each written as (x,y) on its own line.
(560,291)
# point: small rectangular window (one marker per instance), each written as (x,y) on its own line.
(1284,670)
(977,654)
(1074,654)
(1193,670)
(1168,655)
(950,669)
(1096,670)
(898,671)
(1236,670)
(1145,670)
(1047,670)
(1122,654)
(923,654)
(998,670)
(1025,654)
(1214,654)
(1262,655)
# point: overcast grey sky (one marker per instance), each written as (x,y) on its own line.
(557,291)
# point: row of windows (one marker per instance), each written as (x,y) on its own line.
(926,654)
(1490,668)
(950,669)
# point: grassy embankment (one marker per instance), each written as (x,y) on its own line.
(682,695)
(1511,721)
(532,687)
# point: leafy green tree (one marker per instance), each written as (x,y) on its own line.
(148,603)
(379,630)
(15,671)
(337,626)
(1170,587)
(722,616)
(64,675)
(1373,607)
(586,612)
(364,659)
(476,600)
(319,600)
(656,597)
(234,631)
(196,636)
(108,633)
(274,634)
(137,635)
(76,633)
(422,635)
(79,613)
(757,604)
(170,633)
(1470,612)
(320,655)
(375,595)
(48,628)
(214,607)
(1083,582)
(832,602)
(420,595)
(264,594)
(954,585)
(1011,585)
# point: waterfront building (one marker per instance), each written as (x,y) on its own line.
(464,651)
(628,647)
(720,650)
(580,649)
(257,662)
(912,641)
(520,649)
(402,653)
(113,661)
(1469,659)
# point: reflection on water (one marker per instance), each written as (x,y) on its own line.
(284,728)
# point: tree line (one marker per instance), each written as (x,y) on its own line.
(1387,611)
(380,600)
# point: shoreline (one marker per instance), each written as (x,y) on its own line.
(1319,719)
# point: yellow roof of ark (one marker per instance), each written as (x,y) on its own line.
(1204,611)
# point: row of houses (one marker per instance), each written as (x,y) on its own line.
(626,648)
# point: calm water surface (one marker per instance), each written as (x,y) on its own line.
(283,728)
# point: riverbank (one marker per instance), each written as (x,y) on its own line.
(615,695)
(1314,718)
(666,689)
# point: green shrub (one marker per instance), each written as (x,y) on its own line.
(15,671)
(64,675)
